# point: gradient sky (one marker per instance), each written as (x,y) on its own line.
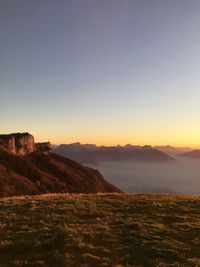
(101,71)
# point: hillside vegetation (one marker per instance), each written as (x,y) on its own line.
(38,173)
(100,230)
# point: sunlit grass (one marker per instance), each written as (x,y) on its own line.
(100,230)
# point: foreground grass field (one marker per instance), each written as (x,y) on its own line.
(100,230)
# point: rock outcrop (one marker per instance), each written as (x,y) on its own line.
(22,144)
(7,142)
(43,147)
(17,143)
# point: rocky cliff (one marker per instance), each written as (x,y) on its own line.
(17,143)
(22,144)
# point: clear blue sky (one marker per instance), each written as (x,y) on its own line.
(101,71)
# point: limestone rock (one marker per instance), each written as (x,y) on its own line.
(17,143)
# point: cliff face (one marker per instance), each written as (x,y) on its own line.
(43,147)
(22,144)
(7,142)
(18,143)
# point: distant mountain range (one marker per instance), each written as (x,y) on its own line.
(173,151)
(90,153)
(195,154)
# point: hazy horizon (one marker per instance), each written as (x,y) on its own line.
(148,171)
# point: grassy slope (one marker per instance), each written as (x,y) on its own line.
(100,230)
(37,173)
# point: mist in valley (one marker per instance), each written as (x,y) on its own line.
(178,177)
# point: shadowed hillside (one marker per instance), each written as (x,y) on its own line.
(38,173)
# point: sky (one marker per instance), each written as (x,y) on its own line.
(101,71)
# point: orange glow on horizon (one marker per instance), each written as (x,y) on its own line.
(113,141)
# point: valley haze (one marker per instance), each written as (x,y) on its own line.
(140,169)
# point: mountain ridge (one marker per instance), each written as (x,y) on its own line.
(194,154)
(90,153)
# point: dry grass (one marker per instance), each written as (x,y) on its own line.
(100,230)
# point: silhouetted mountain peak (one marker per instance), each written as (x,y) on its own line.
(92,153)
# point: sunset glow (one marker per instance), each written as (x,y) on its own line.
(104,72)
